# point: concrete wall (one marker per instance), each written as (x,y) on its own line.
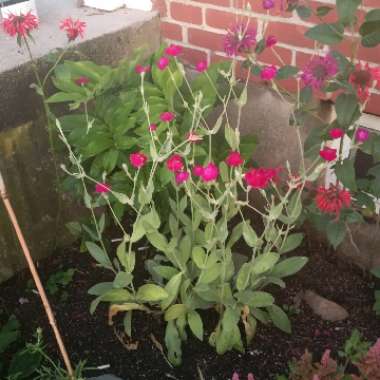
(25,161)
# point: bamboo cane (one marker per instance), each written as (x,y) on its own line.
(36,277)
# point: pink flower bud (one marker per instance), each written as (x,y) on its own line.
(173,50)
(82,81)
(139,69)
(268,4)
(235,376)
(102,188)
(210,173)
(328,154)
(181,177)
(336,133)
(268,72)
(201,66)
(250,376)
(361,135)
(138,160)
(153,127)
(175,163)
(270,41)
(167,117)
(163,63)
(234,159)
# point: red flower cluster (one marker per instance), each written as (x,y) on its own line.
(73,29)
(363,78)
(332,199)
(138,160)
(21,25)
(260,178)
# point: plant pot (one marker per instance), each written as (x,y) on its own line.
(143,5)
(105,5)
(17,7)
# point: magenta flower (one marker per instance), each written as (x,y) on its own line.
(336,133)
(268,4)
(234,159)
(268,72)
(175,163)
(239,39)
(260,178)
(173,50)
(201,66)
(138,160)
(153,127)
(102,188)
(139,69)
(235,376)
(167,117)
(163,63)
(250,376)
(319,70)
(361,135)
(82,81)
(181,177)
(198,170)
(210,173)
(328,154)
(270,41)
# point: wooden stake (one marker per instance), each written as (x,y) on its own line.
(36,278)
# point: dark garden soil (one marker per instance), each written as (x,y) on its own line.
(90,337)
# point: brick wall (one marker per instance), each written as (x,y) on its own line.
(199,26)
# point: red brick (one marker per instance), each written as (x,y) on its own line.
(371,3)
(289,85)
(171,31)
(302,59)
(186,13)
(160,6)
(331,17)
(269,57)
(205,39)
(366,54)
(373,105)
(192,56)
(290,34)
(257,7)
(224,20)
(222,3)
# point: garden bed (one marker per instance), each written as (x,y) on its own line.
(91,338)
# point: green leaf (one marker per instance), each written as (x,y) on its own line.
(151,293)
(243,276)
(9,333)
(255,298)
(62,97)
(265,262)
(323,10)
(303,12)
(23,364)
(336,231)
(199,257)
(172,289)
(292,242)
(376,272)
(286,72)
(329,34)
(210,274)
(248,146)
(173,343)
(98,254)
(370,32)
(175,311)
(289,266)
(279,318)
(122,280)
(345,172)
(347,10)
(196,324)
(250,235)
(232,138)
(158,240)
(347,109)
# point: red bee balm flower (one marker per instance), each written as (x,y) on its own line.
(82,81)
(234,159)
(167,117)
(181,177)
(239,39)
(363,78)
(21,25)
(73,29)
(138,160)
(102,188)
(175,163)
(319,70)
(328,154)
(336,133)
(173,50)
(332,200)
(261,178)
(210,173)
